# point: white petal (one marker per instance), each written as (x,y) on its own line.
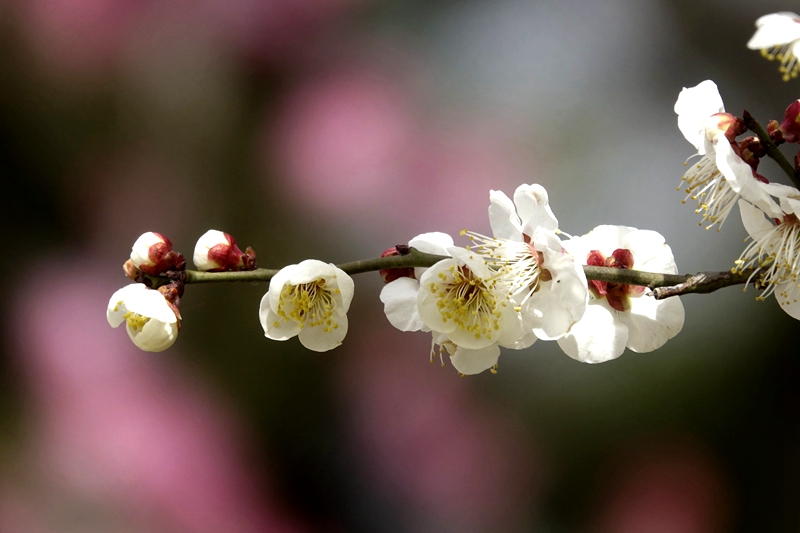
(400,304)
(318,340)
(503,217)
(311,270)
(788,296)
(789,197)
(435,243)
(472,362)
(753,220)
(426,299)
(534,209)
(276,286)
(694,106)
(740,177)
(208,240)
(346,287)
(597,337)
(474,262)
(650,252)
(116,304)
(155,336)
(775,29)
(275,327)
(651,323)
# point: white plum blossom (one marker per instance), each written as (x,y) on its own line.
(151,321)
(149,253)
(620,315)
(778,37)
(546,283)
(464,301)
(774,251)
(400,296)
(310,300)
(720,177)
(217,251)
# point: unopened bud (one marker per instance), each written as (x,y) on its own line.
(217,251)
(791,122)
(131,271)
(152,254)
(775,133)
(751,150)
(724,124)
(391,274)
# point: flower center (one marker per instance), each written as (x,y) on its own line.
(714,195)
(776,256)
(467,300)
(308,304)
(519,263)
(617,294)
(136,322)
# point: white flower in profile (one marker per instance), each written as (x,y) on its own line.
(151,322)
(310,300)
(547,284)
(620,315)
(778,37)
(720,177)
(774,252)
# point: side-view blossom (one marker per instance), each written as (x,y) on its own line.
(620,315)
(151,253)
(310,300)
(547,285)
(151,321)
(774,252)
(778,37)
(217,251)
(720,177)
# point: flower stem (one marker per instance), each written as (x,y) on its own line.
(772,149)
(663,285)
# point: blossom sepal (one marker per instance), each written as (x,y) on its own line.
(216,251)
(308,300)
(390,274)
(152,321)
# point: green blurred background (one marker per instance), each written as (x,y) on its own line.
(335,129)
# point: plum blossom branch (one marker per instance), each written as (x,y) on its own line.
(772,149)
(663,285)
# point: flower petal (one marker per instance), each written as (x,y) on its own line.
(400,304)
(651,323)
(753,220)
(471,362)
(503,217)
(534,209)
(317,339)
(597,337)
(694,106)
(775,29)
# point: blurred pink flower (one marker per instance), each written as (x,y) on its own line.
(123,427)
(350,145)
(426,444)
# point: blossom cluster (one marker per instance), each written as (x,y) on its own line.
(527,281)
(525,284)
